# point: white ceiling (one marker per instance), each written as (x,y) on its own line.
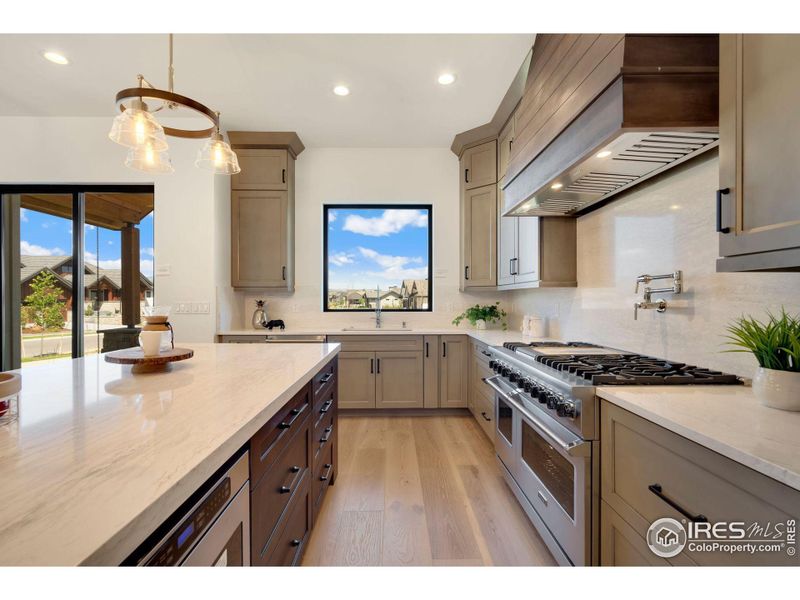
(279,82)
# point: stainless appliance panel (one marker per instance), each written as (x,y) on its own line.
(227,541)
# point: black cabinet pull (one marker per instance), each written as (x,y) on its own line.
(328,466)
(466,175)
(283,273)
(378,370)
(326,378)
(485,353)
(483,414)
(283,175)
(427,350)
(287,489)
(444,349)
(295,414)
(656,489)
(466,273)
(720,193)
(327,435)
(327,406)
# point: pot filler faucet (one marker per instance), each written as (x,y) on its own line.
(647,302)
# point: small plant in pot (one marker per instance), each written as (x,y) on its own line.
(776,346)
(479,316)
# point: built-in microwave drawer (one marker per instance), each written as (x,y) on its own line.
(269,442)
(272,495)
(649,472)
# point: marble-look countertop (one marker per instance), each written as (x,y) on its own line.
(492,337)
(726,419)
(99,458)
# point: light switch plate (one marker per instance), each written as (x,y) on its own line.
(163,270)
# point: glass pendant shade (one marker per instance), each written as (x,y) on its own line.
(217,156)
(135,126)
(148,159)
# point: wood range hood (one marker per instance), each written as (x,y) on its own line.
(657,107)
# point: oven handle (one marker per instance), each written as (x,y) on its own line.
(577,448)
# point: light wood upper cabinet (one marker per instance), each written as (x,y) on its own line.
(357,380)
(505,142)
(759,144)
(479,237)
(506,243)
(399,380)
(479,165)
(526,265)
(260,234)
(262,169)
(453,371)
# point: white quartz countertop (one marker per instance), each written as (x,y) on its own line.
(492,337)
(99,457)
(726,419)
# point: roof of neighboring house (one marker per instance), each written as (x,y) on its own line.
(354,295)
(415,286)
(33,265)
(372,294)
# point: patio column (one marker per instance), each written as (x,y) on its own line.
(130,275)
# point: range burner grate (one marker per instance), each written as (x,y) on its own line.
(635,369)
(514,345)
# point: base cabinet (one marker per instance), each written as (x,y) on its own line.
(399,380)
(292,462)
(453,365)
(357,379)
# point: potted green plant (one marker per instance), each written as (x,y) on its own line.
(480,315)
(776,346)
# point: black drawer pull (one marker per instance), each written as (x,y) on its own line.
(296,412)
(485,353)
(466,175)
(328,466)
(427,349)
(483,414)
(378,365)
(287,489)
(296,543)
(444,349)
(327,435)
(466,273)
(327,406)
(720,193)
(283,175)
(656,489)
(326,378)
(283,273)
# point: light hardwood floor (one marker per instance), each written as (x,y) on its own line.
(420,490)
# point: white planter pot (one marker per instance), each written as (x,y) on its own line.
(777,389)
(480,324)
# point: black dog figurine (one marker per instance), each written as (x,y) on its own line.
(276,323)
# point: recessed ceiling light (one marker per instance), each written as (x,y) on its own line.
(55,57)
(446,78)
(341,90)
(556,186)
(604,153)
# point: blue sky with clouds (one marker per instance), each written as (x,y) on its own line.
(369,247)
(45,235)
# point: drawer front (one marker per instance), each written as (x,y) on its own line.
(290,543)
(323,474)
(325,406)
(321,437)
(378,343)
(479,372)
(273,494)
(649,472)
(324,381)
(621,546)
(269,442)
(483,411)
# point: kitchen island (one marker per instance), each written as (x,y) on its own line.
(100,458)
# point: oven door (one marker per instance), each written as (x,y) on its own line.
(506,425)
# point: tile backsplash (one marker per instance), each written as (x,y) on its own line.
(659,227)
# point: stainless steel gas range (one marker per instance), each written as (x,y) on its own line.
(547,428)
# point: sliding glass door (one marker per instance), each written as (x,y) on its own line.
(77,267)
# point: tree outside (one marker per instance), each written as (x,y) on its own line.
(43,306)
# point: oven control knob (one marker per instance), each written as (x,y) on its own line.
(541,395)
(566,408)
(527,385)
(506,372)
(498,367)
(513,377)
(491,365)
(552,400)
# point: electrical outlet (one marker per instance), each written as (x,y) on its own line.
(205,308)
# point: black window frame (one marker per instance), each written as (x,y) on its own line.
(360,206)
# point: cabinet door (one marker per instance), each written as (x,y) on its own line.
(479,166)
(430,371)
(759,142)
(259,238)
(506,243)
(479,237)
(356,380)
(453,374)
(398,380)
(262,169)
(526,267)
(504,143)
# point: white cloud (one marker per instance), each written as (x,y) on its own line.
(395,268)
(147,252)
(331,216)
(391,221)
(29,249)
(23,215)
(110,243)
(90,227)
(340,259)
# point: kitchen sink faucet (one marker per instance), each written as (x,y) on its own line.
(378,307)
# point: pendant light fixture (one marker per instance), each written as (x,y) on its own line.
(137,128)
